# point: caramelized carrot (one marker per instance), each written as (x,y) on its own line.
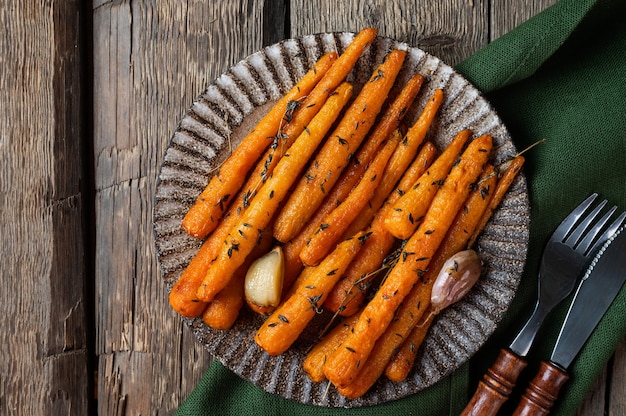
(323,239)
(344,365)
(261,209)
(292,316)
(348,294)
(406,214)
(333,157)
(206,212)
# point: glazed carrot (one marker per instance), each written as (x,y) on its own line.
(406,213)
(387,123)
(311,105)
(206,212)
(223,310)
(349,293)
(334,156)
(418,300)
(402,362)
(314,361)
(400,160)
(331,229)
(183,298)
(465,223)
(261,209)
(288,321)
(344,364)
(504,182)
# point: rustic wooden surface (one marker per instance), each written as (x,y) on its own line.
(90,96)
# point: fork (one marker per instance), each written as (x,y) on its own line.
(569,249)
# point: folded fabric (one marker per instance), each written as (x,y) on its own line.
(559,77)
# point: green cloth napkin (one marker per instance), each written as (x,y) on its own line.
(561,76)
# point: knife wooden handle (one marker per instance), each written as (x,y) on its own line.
(494,389)
(542,391)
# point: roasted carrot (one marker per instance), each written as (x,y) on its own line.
(261,209)
(307,109)
(402,362)
(502,187)
(388,122)
(183,298)
(344,364)
(349,293)
(385,126)
(223,310)
(406,214)
(400,160)
(206,212)
(288,321)
(465,223)
(333,157)
(314,361)
(414,305)
(324,238)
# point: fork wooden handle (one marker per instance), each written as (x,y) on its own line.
(494,389)
(542,391)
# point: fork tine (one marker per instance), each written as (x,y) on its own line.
(566,225)
(609,232)
(590,236)
(582,227)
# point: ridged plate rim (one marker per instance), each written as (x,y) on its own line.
(211,126)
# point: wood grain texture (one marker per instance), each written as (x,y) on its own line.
(151,59)
(44,361)
(425,24)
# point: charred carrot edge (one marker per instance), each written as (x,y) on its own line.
(260,211)
(348,295)
(465,223)
(323,239)
(344,365)
(336,152)
(405,215)
(503,186)
(292,316)
(206,212)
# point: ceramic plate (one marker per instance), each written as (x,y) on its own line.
(230,106)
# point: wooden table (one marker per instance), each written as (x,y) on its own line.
(90,95)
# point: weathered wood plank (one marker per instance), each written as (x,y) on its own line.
(43,302)
(151,59)
(449,29)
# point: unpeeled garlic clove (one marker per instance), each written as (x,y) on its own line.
(457,276)
(264,280)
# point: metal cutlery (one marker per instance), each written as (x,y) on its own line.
(574,242)
(597,290)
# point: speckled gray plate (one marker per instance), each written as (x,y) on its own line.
(217,121)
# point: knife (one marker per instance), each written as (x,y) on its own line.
(595,293)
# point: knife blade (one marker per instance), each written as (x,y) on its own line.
(594,295)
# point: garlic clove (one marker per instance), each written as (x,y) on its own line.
(264,280)
(457,276)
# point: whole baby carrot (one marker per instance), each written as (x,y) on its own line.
(344,364)
(336,152)
(260,211)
